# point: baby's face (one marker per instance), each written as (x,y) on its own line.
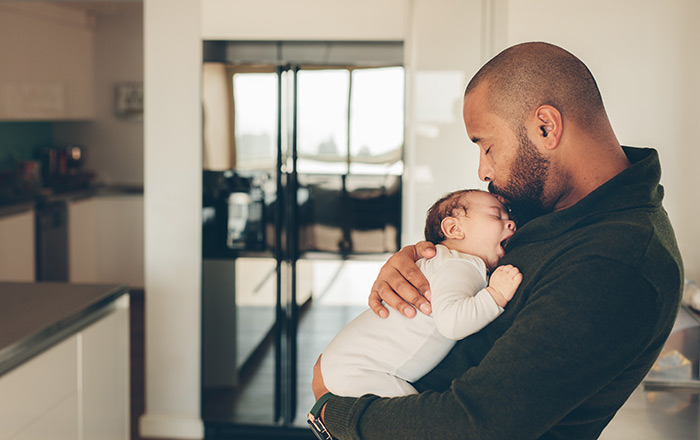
(487,227)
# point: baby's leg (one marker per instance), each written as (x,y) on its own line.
(357,382)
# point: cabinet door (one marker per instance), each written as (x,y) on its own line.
(33,389)
(106,377)
(82,241)
(60,423)
(17,250)
(49,75)
(120,239)
(105,236)
(81,384)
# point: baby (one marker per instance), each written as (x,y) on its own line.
(379,356)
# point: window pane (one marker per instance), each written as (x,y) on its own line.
(377,120)
(322,121)
(255,115)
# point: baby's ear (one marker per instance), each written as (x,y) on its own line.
(450,228)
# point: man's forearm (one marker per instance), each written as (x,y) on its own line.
(550,360)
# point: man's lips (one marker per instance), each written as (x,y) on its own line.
(501,198)
(496,193)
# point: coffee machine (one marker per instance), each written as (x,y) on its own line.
(62,168)
(236,208)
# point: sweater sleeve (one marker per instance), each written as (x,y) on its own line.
(581,327)
(461,304)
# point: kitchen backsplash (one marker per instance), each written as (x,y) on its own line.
(20,140)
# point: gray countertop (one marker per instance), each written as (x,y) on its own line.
(665,405)
(96,191)
(16,208)
(35,316)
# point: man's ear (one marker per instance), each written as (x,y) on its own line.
(549,126)
(450,228)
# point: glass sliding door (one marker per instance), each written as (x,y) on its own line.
(242,261)
(302,205)
(350,199)
(350,159)
(250,247)
(286,384)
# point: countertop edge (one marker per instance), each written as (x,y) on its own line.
(8,209)
(16,208)
(21,351)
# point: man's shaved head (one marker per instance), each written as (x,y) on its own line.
(528,75)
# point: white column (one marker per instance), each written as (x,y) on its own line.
(172,209)
(442,51)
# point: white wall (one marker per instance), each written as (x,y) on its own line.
(363,20)
(114,146)
(46,52)
(688,112)
(647,67)
(442,51)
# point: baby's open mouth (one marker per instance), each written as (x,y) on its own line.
(504,243)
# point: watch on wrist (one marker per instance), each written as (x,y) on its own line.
(314,418)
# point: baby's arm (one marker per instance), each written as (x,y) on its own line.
(461,303)
(503,284)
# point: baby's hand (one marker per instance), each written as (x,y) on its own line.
(503,283)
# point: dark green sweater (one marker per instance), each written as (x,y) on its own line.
(601,289)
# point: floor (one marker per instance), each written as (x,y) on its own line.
(342,293)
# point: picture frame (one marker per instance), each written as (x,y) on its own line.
(128,101)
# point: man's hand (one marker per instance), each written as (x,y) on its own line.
(401,283)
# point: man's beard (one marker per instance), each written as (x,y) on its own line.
(524,191)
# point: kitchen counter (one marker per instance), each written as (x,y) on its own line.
(47,196)
(16,208)
(35,316)
(665,406)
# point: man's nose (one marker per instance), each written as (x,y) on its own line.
(485,170)
(510,224)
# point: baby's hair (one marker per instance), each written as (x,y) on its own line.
(449,205)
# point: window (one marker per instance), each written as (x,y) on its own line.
(255,121)
(377,120)
(349,120)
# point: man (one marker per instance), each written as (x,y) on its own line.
(602,273)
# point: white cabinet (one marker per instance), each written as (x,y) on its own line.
(17,250)
(31,391)
(105,240)
(80,385)
(82,241)
(47,53)
(105,378)
(60,423)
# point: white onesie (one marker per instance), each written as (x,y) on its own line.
(372,355)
